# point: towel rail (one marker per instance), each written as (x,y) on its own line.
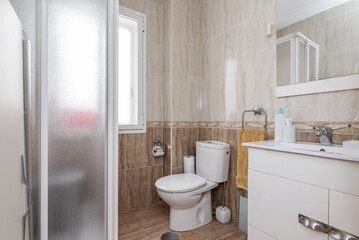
(256,111)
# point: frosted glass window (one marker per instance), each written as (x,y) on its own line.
(131,76)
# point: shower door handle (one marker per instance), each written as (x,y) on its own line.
(28,193)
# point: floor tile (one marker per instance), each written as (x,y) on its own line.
(151,222)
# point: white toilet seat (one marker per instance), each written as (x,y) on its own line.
(180,183)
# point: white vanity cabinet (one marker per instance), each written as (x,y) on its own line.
(284,183)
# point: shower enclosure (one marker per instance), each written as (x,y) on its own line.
(77,194)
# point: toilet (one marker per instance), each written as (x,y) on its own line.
(188,194)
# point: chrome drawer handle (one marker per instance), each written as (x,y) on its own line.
(313,224)
(325,228)
(341,235)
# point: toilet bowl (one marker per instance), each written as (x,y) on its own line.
(189,198)
(188,194)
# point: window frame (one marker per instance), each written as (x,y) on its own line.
(141,126)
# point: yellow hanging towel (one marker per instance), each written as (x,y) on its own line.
(242,158)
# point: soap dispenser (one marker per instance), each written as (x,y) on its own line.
(289,131)
(279,125)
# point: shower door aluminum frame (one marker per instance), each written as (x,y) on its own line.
(111,191)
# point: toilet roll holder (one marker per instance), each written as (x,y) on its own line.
(158,145)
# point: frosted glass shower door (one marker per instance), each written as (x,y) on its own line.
(77,117)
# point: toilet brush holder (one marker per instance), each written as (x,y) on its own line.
(223,214)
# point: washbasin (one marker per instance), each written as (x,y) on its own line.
(317,147)
(309,148)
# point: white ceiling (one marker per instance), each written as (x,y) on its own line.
(292,11)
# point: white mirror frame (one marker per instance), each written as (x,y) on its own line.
(319,86)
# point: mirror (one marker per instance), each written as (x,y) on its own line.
(317,40)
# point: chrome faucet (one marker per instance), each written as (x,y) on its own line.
(324,134)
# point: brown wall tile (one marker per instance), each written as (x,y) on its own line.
(167,140)
(166,171)
(138,149)
(139,170)
(339,138)
(177,170)
(157,174)
(204,134)
(183,141)
(230,136)
(139,193)
(121,151)
(231,200)
(121,191)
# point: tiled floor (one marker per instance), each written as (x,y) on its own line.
(150,223)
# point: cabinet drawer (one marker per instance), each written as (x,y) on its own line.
(344,212)
(255,234)
(274,204)
(328,173)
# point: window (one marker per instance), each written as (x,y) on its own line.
(131,90)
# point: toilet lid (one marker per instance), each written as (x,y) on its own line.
(180,183)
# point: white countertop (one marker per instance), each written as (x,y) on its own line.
(312,149)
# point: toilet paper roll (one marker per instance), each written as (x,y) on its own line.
(157,151)
(188,161)
(189,169)
(188,164)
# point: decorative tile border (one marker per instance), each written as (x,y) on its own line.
(338,127)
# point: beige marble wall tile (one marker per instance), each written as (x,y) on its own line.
(167,64)
(206,21)
(344,105)
(185,22)
(158,23)
(193,3)
(232,51)
(204,83)
(226,99)
(185,61)
(352,32)
(219,17)
(258,78)
(351,61)
(182,64)
(255,7)
(316,107)
(232,13)
(184,101)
